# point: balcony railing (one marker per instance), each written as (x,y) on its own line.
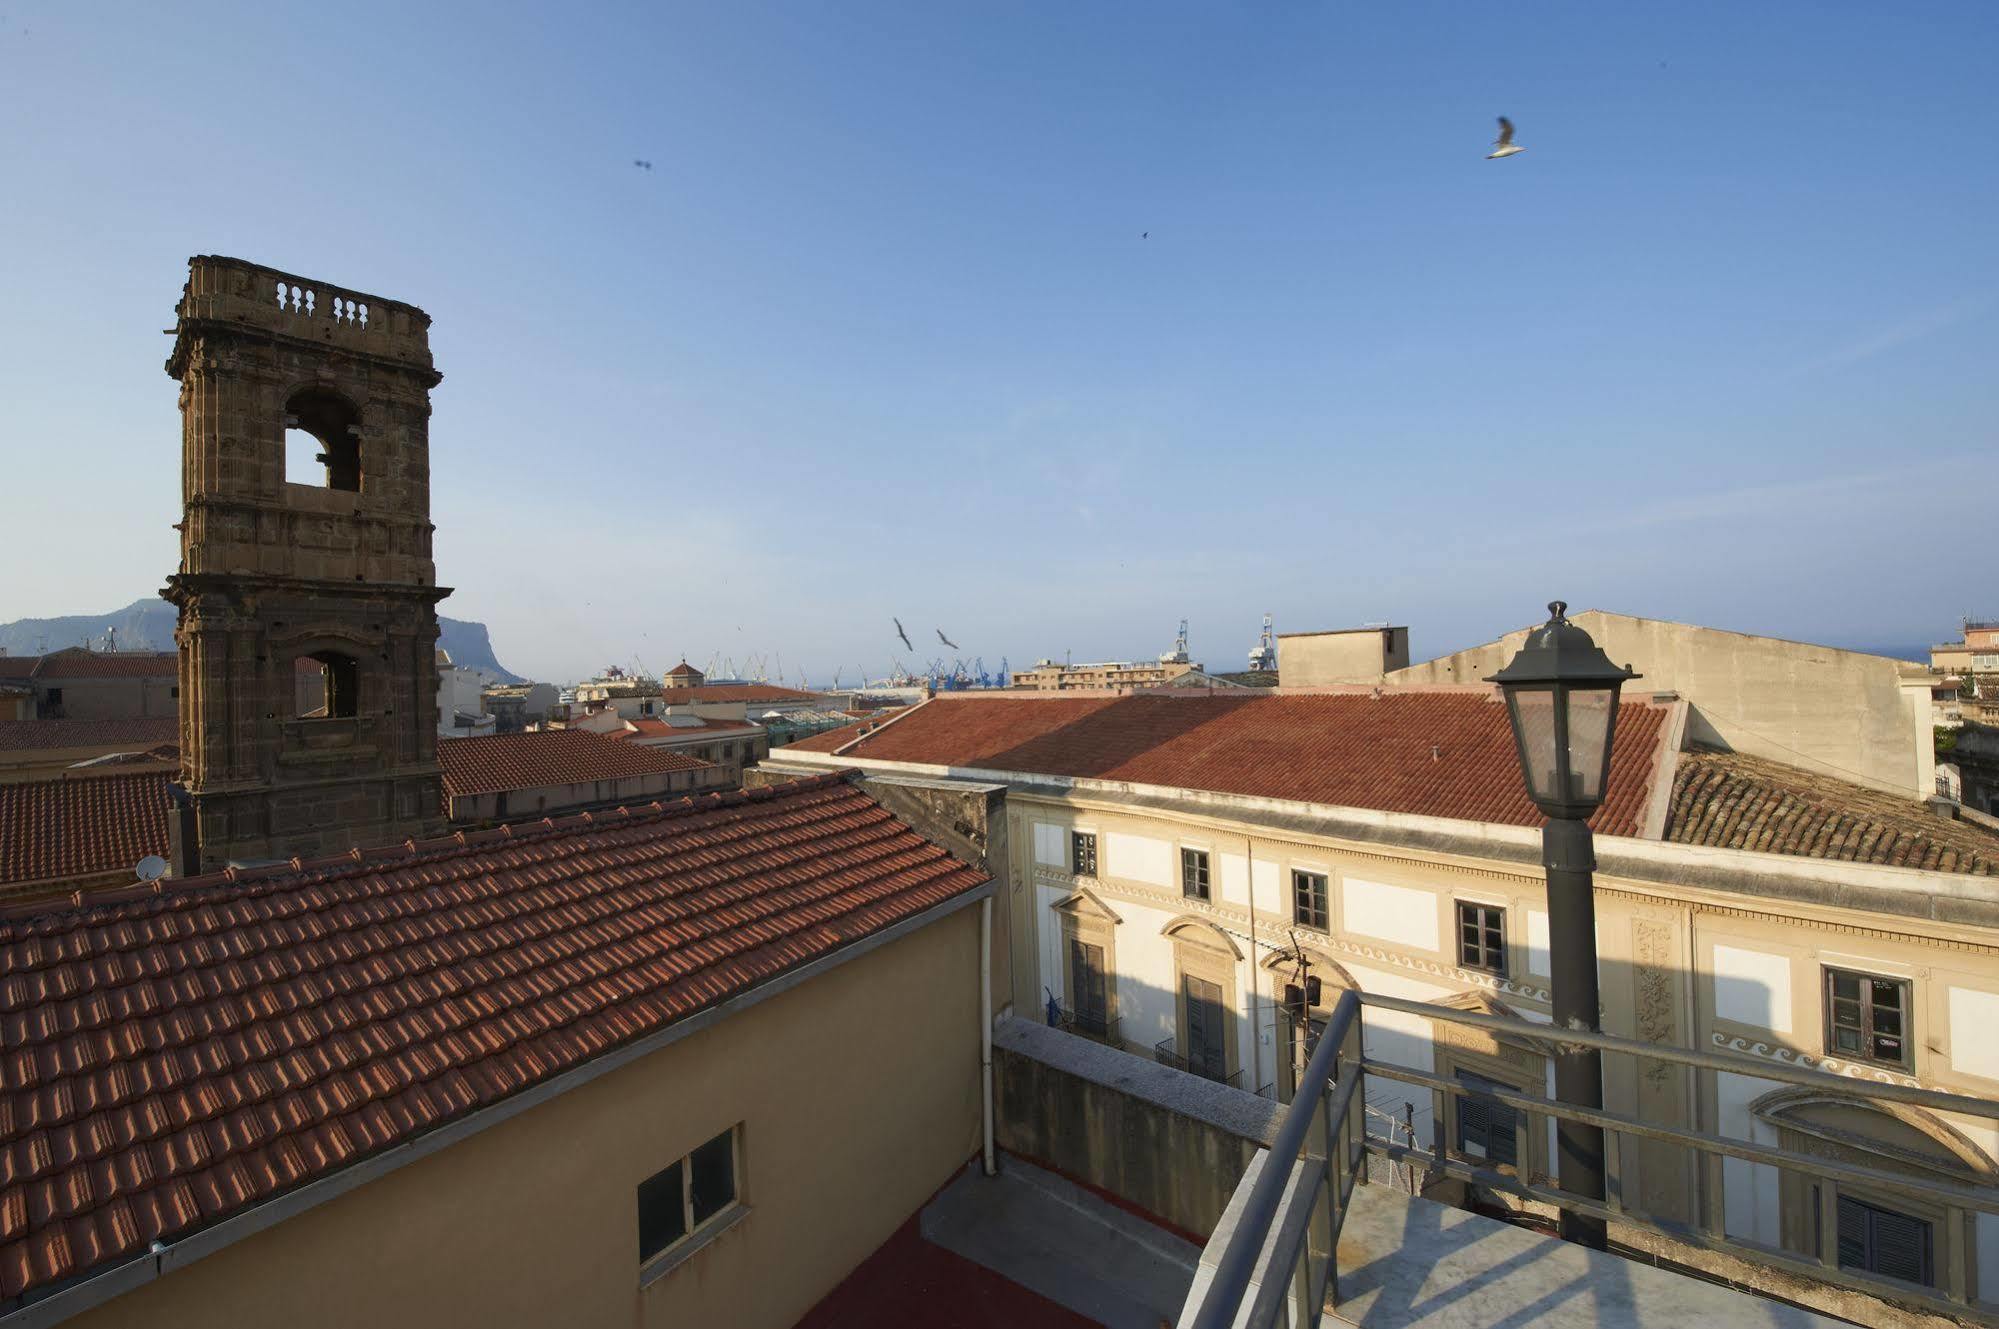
(1089,1025)
(1167,1053)
(1274,1253)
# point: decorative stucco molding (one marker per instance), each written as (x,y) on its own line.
(1784,1056)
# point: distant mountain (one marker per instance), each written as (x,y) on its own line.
(148,625)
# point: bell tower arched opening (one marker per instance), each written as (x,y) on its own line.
(317,416)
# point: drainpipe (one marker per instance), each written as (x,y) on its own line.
(1255,994)
(986,1030)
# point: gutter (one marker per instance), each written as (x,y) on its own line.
(93,1290)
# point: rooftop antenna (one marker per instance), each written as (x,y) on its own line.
(1263,656)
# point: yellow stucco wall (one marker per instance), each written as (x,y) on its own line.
(859,1095)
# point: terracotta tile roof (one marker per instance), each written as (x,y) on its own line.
(79,663)
(546,757)
(1732,801)
(18,666)
(1341,749)
(751,692)
(167,1060)
(689,726)
(59,830)
(135,733)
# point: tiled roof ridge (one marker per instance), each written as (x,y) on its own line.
(333,867)
(214,1045)
(167,1066)
(1726,799)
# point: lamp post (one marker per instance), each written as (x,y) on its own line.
(1561,695)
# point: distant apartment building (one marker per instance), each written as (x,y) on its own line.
(1105,676)
(732,745)
(79,684)
(461,707)
(517,706)
(1196,878)
(502,777)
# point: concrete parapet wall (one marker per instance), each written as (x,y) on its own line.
(1170,1143)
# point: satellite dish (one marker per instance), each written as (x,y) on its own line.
(151,868)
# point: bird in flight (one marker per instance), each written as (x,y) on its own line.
(900,633)
(1504,146)
(1145,235)
(642,165)
(946,640)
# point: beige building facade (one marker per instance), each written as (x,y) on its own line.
(530,1221)
(1346,655)
(1741,953)
(1107,676)
(1845,714)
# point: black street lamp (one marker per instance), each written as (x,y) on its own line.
(1561,695)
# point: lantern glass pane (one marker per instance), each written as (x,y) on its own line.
(1589,740)
(1534,720)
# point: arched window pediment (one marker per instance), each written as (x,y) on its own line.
(1897,1133)
(1201,932)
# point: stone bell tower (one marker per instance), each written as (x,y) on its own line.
(308,604)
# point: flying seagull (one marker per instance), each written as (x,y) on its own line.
(900,633)
(642,165)
(1504,146)
(946,640)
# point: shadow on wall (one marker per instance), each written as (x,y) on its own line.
(1183,1167)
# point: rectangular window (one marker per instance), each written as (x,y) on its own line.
(1194,873)
(1880,1241)
(1089,993)
(1207,1048)
(675,1202)
(1083,853)
(1487,1129)
(1866,1017)
(1308,895)
(1482,938)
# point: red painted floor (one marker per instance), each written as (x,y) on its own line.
(910,1282)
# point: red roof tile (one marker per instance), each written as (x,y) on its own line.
(79,663)
(733,692)
(687,726)
(59,830)
(1340,749)
(1733,801)
(169,1059)
(18,666)
(547,757)
(135,733)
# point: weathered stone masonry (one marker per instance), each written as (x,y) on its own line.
(274,571)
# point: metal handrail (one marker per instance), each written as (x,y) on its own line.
(1237,1266)
(1715,1061)
(1272,1204)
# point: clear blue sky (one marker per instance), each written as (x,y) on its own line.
(878,333)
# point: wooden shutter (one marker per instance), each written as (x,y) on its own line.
(1486,1127)
(1206,1050)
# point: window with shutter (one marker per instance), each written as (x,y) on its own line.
(1207,1051)
(1880,1241)
(1088,989)
(1487,1129)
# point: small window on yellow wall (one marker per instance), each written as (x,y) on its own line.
(687,1196)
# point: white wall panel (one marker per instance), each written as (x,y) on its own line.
(1392,913)
(1138,858)
(1265,881)
(1145,974)
(1974,1032)
(1537,942)
(1051,845)
(1749,1190)
(1235,879)
(1753,987)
